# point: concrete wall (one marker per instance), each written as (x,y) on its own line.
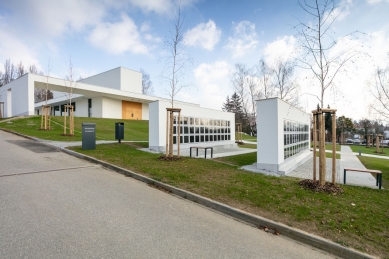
(119,78)
(112,108)
(131,81)
(271,114)
(157,124)
(145,111)
(110,79)
(19,97)
(97,107)
(81,108)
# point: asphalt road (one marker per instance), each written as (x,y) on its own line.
(56,206)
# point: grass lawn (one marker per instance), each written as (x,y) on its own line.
(364,226)
(377,164)
(369,150)
(105,128)
(248,138)
(253,146)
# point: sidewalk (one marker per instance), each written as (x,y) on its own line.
(350,160)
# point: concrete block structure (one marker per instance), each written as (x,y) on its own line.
(282,136)
(198,126)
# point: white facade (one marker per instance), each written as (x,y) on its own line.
(205,124)
(282,136)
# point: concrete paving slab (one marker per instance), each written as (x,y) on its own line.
(350,160)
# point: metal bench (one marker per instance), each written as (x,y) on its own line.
(197,151)
(377,172)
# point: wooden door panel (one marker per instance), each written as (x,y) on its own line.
(131,110)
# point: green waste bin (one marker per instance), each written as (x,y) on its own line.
(88,136)
(119,131)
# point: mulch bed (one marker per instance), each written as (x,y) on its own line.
(173,158)
(314,186)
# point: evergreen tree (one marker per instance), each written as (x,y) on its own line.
(227,105)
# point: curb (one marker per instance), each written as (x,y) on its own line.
(293,233)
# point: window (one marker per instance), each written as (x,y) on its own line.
(296,138)
(195,130)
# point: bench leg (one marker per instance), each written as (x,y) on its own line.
(205,154)
(377,179)
(190,152)
(212,152)
(344,177)
(380,181)
(197,152)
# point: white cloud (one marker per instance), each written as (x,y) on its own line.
(118,37)
(11,47)
(212,80)
(284,48)
(245,39)
(375,1)
(206,35)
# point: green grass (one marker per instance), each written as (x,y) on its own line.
(370,150)
(253,146)
(377,164)
(105,128)
(248,138)
(239,160)
(364,226)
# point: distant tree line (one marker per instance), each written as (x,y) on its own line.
(261,81)
(13,71)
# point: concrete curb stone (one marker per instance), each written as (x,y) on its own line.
(293,233)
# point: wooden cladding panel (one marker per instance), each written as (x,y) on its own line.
(131,110)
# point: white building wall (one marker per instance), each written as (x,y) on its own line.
(131,81)
(145,111)
(19,97)
(110,79)
(157,124)
(112,108)
(81,108)
(271,114)
(97,107)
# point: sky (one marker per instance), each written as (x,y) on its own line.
(99,35)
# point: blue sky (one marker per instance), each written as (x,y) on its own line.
(101,35)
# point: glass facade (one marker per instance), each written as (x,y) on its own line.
(296,138)
(197,130)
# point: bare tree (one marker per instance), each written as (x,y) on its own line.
(147,85)
(9,72)
(47,75)
(20,71)
(264,73)
(70,82)
(177,61)
(285,83)
(317,43)
(379,88)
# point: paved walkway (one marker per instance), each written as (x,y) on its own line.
(348,159)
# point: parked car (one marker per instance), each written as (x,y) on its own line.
(385,142)
(349,141)
(357,141)
(364,141)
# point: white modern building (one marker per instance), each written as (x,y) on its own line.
(282,136)
(117,94)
